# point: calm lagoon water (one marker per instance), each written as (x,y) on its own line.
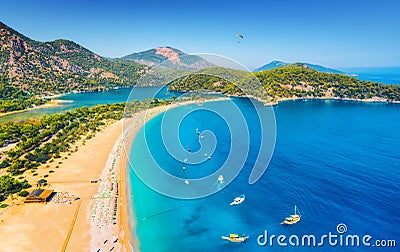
(94,98)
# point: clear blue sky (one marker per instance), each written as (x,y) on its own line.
(352,33)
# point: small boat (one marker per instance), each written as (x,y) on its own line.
(220,178)
(293,219)
(238,200)
(197,131)
(235,238)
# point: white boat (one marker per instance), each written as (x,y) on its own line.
(238,200)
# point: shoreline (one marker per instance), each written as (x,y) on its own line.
(129,135)
(12,113)
(279,100)
(54,102)
(50,104)
(369,100)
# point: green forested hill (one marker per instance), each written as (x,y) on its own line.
(59,66)
(13,98)
(292,81)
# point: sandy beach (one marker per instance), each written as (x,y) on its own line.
(83,215)
(44,227)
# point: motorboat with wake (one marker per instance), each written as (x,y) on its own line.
(238,200)
(235,238)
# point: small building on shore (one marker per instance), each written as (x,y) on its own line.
(39,196)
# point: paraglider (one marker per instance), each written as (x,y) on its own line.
(239,36)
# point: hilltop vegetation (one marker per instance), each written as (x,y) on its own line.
(297,81)
(219,79)
(276,64)
(292,81)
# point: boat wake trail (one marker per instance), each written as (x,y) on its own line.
(163,212)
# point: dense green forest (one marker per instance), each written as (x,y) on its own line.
(292,81)
(10,185)
(41,141)
(12,98)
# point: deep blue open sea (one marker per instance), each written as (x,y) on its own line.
(386,75)
(338,161)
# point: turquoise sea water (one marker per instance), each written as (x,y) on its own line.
(338,161)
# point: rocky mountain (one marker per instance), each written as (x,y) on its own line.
(171,57)
(59,66)
(276,64)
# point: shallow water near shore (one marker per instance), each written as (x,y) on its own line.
(338,161)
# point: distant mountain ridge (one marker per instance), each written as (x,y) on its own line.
(276,64)
(272,65)
(59,66)
(168,57)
